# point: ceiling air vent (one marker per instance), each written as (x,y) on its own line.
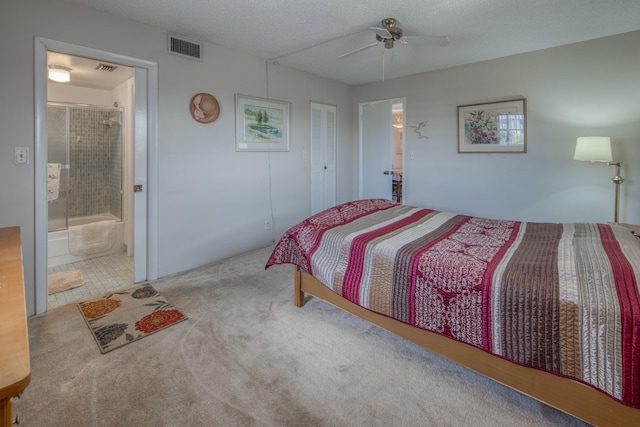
(181,46)
(105,67)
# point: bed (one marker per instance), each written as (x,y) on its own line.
(550,310)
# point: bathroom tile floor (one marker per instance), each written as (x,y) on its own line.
(101,275)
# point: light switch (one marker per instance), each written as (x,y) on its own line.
(22,155)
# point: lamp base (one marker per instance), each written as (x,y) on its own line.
(617,180)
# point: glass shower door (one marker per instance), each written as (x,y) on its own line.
(58,166)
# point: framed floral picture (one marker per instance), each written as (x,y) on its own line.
(495,127)
(261,124)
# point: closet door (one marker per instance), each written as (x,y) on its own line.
(323,157)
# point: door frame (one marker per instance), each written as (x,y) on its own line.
(144,114)
(361,106)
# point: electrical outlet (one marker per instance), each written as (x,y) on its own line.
(267,224)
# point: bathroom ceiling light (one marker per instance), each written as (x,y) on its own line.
(59,74)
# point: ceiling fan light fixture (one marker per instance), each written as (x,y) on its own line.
(389,23)
(389,32)
(59,74)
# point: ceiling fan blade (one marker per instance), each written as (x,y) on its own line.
(382,32)
(358,50)
(434,40)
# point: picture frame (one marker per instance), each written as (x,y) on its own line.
(261,124)
(493,127)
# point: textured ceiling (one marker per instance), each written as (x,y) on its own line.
(309,35)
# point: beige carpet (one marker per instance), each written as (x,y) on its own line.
(248,357)
(65,280)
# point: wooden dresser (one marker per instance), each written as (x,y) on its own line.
(15,371)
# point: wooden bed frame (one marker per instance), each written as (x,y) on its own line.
(572,397)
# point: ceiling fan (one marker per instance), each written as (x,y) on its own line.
(390,32)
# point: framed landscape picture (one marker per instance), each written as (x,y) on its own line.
(261,124)
(496,127)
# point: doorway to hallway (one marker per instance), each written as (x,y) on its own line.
(381,150)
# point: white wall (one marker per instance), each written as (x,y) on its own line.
(212,200)
(62,92)
(586,89)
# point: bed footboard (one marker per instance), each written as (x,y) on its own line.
(572,397)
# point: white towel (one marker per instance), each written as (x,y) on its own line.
(91,239)
(53,181)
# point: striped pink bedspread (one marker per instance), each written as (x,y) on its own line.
(563,298)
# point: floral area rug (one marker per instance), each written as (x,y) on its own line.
(125,316)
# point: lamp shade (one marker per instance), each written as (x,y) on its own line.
(59,74)
(593,149)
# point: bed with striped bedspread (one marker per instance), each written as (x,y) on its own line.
(563,298)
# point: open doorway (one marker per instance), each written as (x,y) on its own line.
(132,111)
(381,150)
(397,142)
(90,151)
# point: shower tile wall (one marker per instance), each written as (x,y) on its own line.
(95,163)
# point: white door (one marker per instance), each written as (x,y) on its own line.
(140,177)
(323,157)
(375,150)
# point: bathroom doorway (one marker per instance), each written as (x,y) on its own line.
(89,166)
(134,113)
